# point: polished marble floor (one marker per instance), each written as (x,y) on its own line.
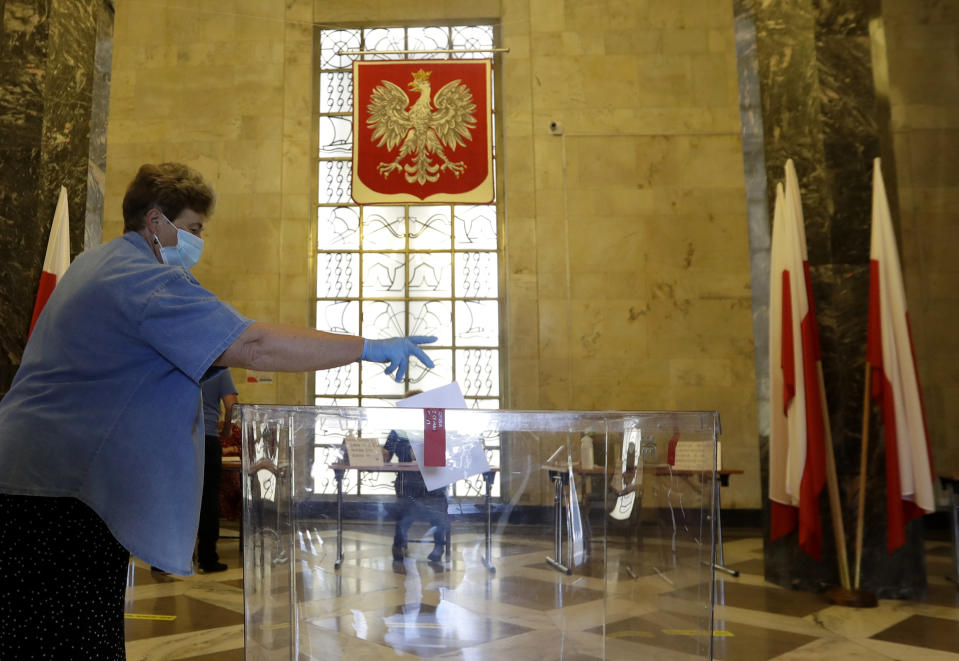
(379,609)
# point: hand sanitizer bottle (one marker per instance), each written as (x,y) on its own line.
(586,451)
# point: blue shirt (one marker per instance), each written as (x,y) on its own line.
(106,404)
(214,389)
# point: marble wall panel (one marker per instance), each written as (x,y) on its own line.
(853,137)
(97,165)
(23,43)
(21,103)
(47,59)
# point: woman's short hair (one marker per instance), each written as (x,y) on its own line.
(172,187)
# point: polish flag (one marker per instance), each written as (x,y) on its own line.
(58,256)
(797,456)
(895,381)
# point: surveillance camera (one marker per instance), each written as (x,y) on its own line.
(556,128)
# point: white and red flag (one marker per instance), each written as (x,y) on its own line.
(895,381)
(422,132)
(797,455)
(57,259)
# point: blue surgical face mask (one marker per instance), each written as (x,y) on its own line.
(186,252)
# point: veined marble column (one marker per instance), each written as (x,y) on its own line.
(52,108)
(820,105)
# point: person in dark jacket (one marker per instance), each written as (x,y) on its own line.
(415,502)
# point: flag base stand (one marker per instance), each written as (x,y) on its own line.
(851,598)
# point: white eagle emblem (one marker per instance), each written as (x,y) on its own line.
(423,131)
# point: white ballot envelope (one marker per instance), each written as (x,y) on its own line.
(465,454)
(445,397)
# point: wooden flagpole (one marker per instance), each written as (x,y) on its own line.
(832,484)
(844,595)
(863,464)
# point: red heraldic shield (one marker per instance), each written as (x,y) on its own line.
(422,132)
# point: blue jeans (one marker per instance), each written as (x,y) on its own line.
(425,508)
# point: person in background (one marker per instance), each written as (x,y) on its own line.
(216,389)
(213,390)
(101,432)
(627,495)
(415,502)
(231,487)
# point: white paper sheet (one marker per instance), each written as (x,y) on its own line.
(465,455)
(445,397)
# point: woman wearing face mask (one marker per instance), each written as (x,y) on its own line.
(101,433)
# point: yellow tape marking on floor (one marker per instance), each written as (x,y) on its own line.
(695,632)
(631,634)
(274,627)
(149,616)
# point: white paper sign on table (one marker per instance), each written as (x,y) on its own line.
(364,452)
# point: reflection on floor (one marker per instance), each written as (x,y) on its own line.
(378,609)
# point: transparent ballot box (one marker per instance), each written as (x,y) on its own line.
(535,534)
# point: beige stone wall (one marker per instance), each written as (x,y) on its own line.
(625,254)
(626,247)
(923,53)
(226,87)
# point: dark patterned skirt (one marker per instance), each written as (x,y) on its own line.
(63,581)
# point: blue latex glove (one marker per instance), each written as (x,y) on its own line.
(397,351)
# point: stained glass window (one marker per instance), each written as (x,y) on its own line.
(383,271)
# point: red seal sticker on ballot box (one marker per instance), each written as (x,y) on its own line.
(434,437)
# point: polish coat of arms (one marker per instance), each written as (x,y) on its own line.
(422,132)
(422,145)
